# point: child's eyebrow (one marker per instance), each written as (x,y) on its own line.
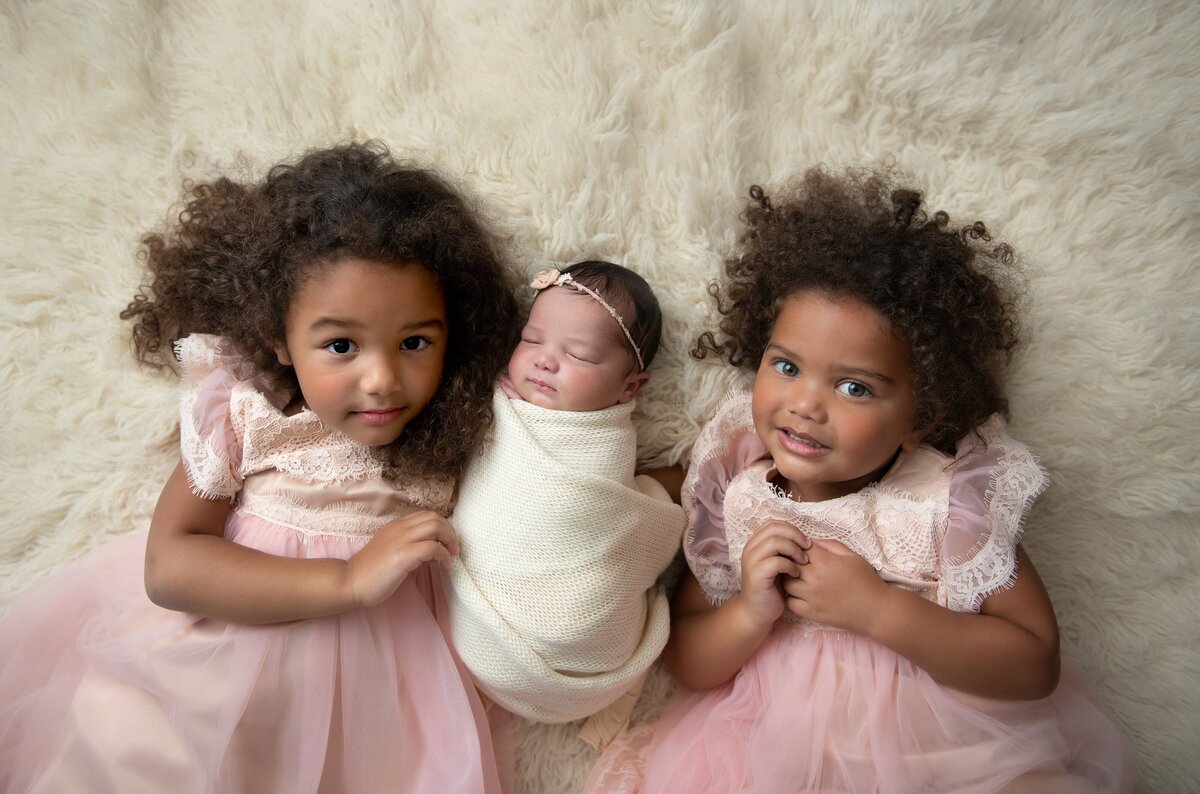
(869,374)
(324,323)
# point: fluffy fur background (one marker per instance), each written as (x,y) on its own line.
(630,131)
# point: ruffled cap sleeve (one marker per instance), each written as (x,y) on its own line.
(994,482)
(210,441)
(725,447)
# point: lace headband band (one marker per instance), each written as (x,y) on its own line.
(553,278)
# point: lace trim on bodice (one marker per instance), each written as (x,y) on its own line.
(339,520)
(300,446)
(896,532)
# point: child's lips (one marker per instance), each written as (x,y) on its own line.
(802,444)
(381,416)
(541,385)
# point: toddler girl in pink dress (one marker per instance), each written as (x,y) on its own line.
(859,615)
(337,328)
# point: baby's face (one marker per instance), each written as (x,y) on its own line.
(572,355)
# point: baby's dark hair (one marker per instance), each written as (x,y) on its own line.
(233,261)
(631,298)
(948,292)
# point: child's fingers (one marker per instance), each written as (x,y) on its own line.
(506,386)
(428,525)
(434,550)
(780,529)
(789,530)
(784,566)
(771,567)
(775,545)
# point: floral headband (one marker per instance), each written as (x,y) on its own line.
(553,278)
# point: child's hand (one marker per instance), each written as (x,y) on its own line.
(395,551)
(776,549)
(837,588)
(506,386)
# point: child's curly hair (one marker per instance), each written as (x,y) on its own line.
(949,292)
(233,261)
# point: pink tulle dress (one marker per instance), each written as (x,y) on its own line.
(102,691)
(818,709)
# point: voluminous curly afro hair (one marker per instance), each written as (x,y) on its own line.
(950,293)
(237,253)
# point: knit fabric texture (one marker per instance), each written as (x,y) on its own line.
(553,601)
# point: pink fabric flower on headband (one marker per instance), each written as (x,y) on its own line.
(553,278)
(544,279)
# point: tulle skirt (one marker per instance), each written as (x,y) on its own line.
(835,712)
(102,691)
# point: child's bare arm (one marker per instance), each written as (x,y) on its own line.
(1010,650)
(669,477)
(190,566)
(708,645)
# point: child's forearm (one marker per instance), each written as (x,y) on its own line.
(215,578)
(669,477)
(708,645)
(1009,651)
(190,567)
(978,654)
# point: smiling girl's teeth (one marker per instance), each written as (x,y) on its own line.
(805,441)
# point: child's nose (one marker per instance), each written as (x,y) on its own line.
(808,401)
(547,361)
(381,375)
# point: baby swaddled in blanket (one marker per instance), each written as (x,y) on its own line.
(554,605)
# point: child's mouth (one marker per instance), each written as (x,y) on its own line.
(379,417)
(802,444)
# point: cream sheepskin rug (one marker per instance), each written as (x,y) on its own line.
(630,131)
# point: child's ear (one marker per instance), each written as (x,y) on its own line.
(633,386)
(281,354)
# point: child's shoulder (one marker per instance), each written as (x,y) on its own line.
(200,354)
(732,414)
(727,444)
(731,418)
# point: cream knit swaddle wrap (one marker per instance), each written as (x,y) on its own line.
(553,603)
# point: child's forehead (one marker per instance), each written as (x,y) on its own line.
(574,314)
(837,326)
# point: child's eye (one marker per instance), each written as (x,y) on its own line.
(785,367)
(852,388)
(414,343)
(340,347)
(580,357)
